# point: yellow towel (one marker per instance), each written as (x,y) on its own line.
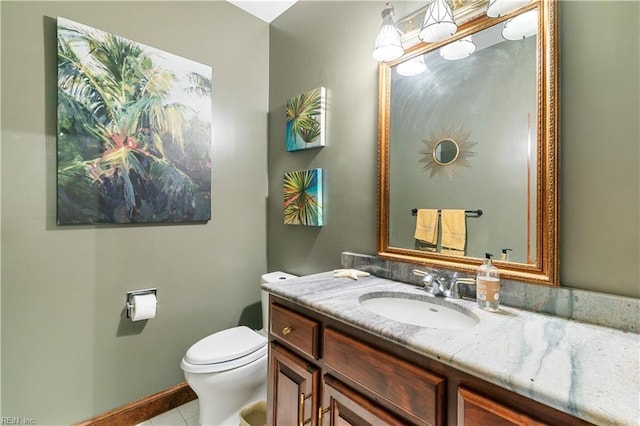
(427,226)
(454,232)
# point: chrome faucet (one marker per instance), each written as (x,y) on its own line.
(441,284)
(434,281)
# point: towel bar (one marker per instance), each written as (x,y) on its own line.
(476,213)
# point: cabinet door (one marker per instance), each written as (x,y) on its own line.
(344,406)
(294,386)
(477,410)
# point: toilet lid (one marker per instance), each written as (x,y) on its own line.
(225,345)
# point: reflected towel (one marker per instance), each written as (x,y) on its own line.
(427,226)
(423,246)
(454,232)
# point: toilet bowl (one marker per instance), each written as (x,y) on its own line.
(228,369)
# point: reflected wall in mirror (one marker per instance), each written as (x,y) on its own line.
(504,93)
(493,92)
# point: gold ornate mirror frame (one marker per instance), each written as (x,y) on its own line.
(545,270)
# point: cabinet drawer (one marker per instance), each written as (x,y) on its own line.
(298,331)
(475,409)
(415,393)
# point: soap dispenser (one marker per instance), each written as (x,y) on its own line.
(505,254)
(488,285)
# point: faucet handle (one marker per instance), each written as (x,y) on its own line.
(454,291)
(461,275)
(428,271)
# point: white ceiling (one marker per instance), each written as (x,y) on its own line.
(267,10)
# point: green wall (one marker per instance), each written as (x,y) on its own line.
(67,354)
(600,152)
(326,44)
(329,44)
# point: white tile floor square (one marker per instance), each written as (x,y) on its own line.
(185,415)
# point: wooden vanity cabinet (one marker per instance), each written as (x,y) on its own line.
(324,372)
(360,385)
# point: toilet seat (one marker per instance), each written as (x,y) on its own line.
(225,350)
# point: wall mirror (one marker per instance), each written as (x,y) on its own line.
(478,133)
(446,152)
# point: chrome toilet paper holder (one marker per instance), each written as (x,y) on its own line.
(130,306)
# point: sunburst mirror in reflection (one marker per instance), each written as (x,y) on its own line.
(446,152)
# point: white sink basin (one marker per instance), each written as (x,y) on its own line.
(424,313)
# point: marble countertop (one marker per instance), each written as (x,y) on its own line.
(589,371)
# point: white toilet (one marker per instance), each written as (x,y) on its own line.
(228,369)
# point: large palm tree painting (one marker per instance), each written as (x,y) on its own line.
(134,131)
(303,198)
(305,120)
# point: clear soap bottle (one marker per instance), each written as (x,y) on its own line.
(488,285)
(505,254)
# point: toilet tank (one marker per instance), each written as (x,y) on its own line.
(270,277)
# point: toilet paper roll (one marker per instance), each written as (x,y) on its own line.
(144,306)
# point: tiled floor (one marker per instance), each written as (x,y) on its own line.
(186,414)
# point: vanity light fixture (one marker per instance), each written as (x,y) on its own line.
(498,8)
(438,22)
(458,49)
(388,46)
(522,26)
(412,67)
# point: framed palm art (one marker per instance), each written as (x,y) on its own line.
(303,198)
(306,120)
(134,131)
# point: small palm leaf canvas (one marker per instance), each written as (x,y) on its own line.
(305,120)
(134,131)
(303,198)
